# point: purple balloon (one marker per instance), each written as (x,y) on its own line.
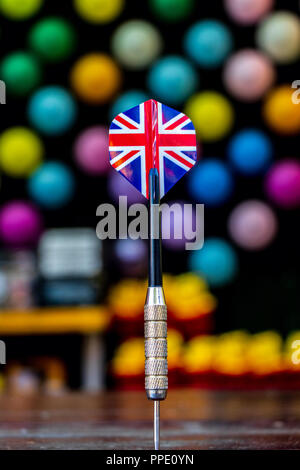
(174,226)
(119,186)
(91,150)
(282,183)
(20,223)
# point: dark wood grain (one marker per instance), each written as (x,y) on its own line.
(190,420)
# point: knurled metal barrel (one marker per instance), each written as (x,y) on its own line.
(156,351)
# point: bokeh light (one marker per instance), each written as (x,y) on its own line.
(52,110)
(211,114)
(252,225)
(136,43)
(216,261)
(250,151)
(172,80)
(248,74)
(208,43)
(21,151)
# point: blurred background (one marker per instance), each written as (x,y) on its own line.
(71,306)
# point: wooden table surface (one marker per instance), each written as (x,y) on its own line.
(190,419)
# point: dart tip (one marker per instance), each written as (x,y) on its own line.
(156,424)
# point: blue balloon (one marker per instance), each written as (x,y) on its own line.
(208,43)
(127,100)
(52,110)
(210,182)
(172,79)
(250,151)
(217,262)
(51,185)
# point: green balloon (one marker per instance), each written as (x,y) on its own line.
(172,10)
(53,39)
(21,73)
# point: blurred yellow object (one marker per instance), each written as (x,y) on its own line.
(95,78)
(264,353)
(199,354)
(175,348)
(211,113)
(230,355)
(127,298)
(19,9)
(129,358)
(21,151)
(2,383)
(187,296)
(279,111)
(54,320)
(99,11)
(292,351)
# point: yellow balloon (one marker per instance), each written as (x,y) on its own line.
(99,11)
(21,152)
(19,9)
(95,78)
(280,112)
(211,113)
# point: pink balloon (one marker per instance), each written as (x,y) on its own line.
(248,74)
(248,11)
(282,183)
(252,225)
(20,223)
(91,150)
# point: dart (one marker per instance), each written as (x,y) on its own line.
(153,146)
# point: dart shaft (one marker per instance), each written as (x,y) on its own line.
(155,266)
(156,425)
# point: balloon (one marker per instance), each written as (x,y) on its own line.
(252,225)
(21,73)
(172,10)
(131,256)
(248,11)
(175,226)
(95,78)
(250,151)
(21,151)
(172,79)
(279,111)
(211,113)
(20,223)
(127,100)
(279,36)
(52,110)
(130,251)
(208,43)
(282,183)
(99,11)
(90,150)
(210,182)
(119,186)
(52,39)
(19,10)
(248,74)
(216,261)
(52,185)
(136,44)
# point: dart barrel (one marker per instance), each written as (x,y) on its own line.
(156,362)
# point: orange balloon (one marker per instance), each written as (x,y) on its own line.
(95,78)
(280,112)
